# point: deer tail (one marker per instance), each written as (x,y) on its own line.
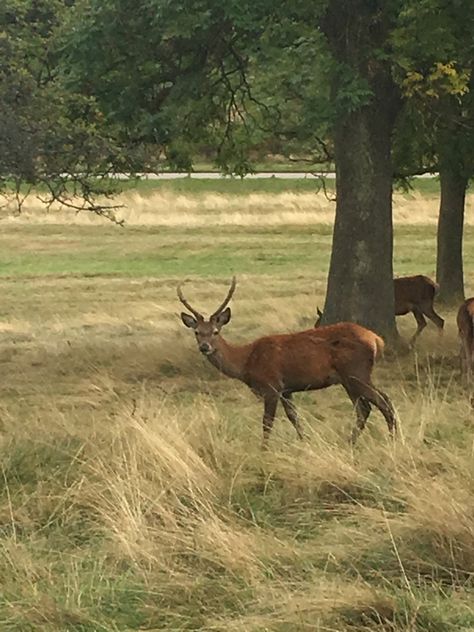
(379,347)
(435,287)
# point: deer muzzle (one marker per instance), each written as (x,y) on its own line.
(205,348)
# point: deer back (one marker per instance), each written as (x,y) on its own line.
(413,291)
(311,359)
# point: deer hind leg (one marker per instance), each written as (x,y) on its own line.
(362,408)
(270,404)
(421,324)
(380,400)
(291,413)
(428,311)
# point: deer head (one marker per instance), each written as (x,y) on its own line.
(207,331)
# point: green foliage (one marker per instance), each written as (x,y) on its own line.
(49,136)
(435,52)
(242,78)
(171,86)
(228,78)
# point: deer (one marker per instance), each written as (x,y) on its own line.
(465,323)
(413,294)
(278,365)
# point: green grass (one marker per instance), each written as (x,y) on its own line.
(36,251)
(269,165)
(162,252)
(243,186)
(133,493)
(231,186)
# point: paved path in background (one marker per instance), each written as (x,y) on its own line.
(212,175)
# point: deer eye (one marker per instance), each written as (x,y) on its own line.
(215,332)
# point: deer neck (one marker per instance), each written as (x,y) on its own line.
(230,359)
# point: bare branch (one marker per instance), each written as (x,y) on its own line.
(322,185)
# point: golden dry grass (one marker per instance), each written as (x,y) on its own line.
(167,208)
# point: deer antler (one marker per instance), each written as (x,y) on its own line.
(227,298)
(187,305)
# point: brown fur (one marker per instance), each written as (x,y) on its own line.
(414,294)
(274,367)
(465,322)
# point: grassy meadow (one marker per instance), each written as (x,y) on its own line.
(133,492)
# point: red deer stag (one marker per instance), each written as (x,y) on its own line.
(275,367)
(465,322)
(412,294)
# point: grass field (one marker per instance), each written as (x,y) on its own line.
(133,492)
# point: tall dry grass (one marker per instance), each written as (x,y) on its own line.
(150,506)
(134,495)
(168,208)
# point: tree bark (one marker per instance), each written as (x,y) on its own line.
(360,282)
(449,263)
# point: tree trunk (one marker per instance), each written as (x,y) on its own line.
(360,282)
(449,264)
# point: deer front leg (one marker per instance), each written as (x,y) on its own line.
(466,365)
(462,363)
(421,324)
(291,413)
(466,361)
(270,403)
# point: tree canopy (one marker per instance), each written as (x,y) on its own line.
(179,77)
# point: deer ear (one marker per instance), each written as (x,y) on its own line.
(224,317)
(319,316)
(188,321)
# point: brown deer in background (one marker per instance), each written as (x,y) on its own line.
(274,367)
(412,294)
(465,322)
